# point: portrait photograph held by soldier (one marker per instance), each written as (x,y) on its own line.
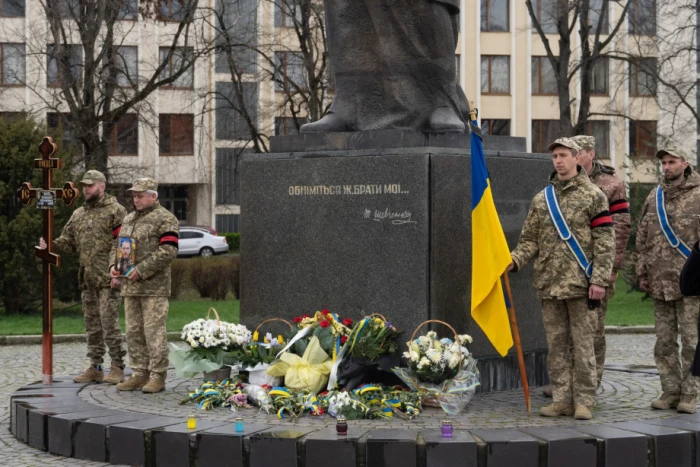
(91,233)
(154,231)
(669,223)
(126,256)
(568,232)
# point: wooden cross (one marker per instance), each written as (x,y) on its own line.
(46,196)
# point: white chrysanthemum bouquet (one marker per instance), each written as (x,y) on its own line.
(441,370)
(211,335)
(212,343)
(434,360)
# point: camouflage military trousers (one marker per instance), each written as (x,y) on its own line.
(146,334)
(101,315)
(670,319)
(572,375)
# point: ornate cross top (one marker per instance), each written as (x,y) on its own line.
(46,200)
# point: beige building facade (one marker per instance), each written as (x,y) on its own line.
(189,138)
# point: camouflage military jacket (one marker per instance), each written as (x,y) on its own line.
(156,231)
(657,261)
(556,272)
(605,179)
(91,232)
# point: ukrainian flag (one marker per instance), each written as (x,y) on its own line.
(490,256)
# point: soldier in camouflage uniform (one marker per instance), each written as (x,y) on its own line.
(91,232)
(604,178)
(561,283)
(147,288)
(658,270)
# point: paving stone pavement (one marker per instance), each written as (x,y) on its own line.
(624,395)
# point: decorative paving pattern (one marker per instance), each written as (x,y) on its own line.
(623,396)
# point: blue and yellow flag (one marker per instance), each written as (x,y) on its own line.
(490,256)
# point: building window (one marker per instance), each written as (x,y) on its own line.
(594,17)
(228,175)
(600,130)
(59,124)
(290,72)
(180,58)
(12,59)
(546,14)
(599,77)
(128,9)
(287,125)
(174,199)
(126,65)
(495,74)
(173,10)
(11,8)
(544,81)
(495,127)
(642,139)
(176,134)
(642,17)
(73,55)
(228,223)
(642,77)
(124,140)
(287,12)
(494,16)
(236,33)
(230,123)
(544,132)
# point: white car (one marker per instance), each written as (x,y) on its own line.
(199,242)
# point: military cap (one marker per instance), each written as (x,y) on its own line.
(93,176)
(144,184)
(584,141)
(674,151)
(566,142)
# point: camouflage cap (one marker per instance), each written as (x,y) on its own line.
(144,184)
(566,142)
(674,151)
(93,176)
(584,141)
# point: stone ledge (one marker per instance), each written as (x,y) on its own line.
(58,420)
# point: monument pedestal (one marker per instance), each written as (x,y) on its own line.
(362,231)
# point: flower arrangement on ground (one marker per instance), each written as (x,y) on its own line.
(376,337)
(442,370)
(369,355)
(211,344)
(332,332)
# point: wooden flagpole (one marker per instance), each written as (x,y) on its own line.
(516,340)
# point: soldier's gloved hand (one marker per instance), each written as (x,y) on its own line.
(42,244)
(596,292)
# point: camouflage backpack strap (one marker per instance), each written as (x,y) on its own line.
(565,233)
(673,239)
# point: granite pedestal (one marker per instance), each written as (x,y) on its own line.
(380,222)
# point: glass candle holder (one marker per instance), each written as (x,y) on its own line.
(446,429)
(341,425)
(191,422)
(239,425)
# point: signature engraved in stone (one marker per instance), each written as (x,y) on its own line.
(396,217)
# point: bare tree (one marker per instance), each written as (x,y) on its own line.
(564,17)
(294,60)
(95,78)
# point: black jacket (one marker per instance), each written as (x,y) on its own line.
(690,286)
(690,275)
